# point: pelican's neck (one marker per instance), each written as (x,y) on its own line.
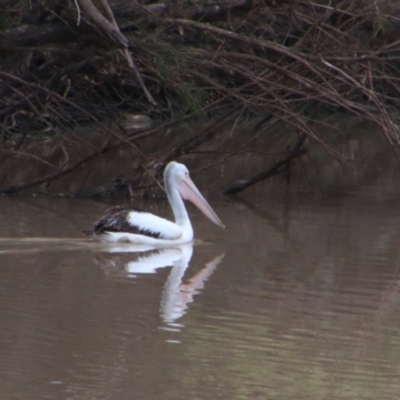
(177,205)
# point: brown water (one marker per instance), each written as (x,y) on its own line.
(299,298)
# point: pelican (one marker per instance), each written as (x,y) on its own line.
(125,224)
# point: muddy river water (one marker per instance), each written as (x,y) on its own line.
(299,298)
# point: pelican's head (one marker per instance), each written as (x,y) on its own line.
(175,172)
(177,176)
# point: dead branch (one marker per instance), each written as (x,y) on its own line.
(297,151)
(111,29)
(105,26)
(48,178)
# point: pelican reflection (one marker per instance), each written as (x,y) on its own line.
(176,294)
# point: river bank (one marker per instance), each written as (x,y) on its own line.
(355,154)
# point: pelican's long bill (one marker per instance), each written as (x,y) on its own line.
(189,191)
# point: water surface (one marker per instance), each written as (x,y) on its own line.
(298,298)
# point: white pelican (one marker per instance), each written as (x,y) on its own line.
(124,224)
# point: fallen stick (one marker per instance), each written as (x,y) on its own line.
(296,151)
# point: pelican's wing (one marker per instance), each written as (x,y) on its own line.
(122,219)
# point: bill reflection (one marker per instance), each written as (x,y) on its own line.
(177,293)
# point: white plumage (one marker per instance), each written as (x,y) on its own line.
(124,224)
(147,221)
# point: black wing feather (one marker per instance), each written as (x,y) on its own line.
(115,220)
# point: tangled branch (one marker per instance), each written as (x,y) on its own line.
(222,59)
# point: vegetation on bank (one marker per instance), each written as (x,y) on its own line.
(68,63)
